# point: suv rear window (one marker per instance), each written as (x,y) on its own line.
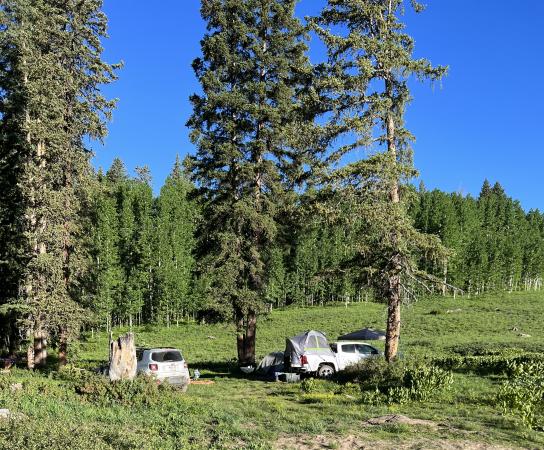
(167,356)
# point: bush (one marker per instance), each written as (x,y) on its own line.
(308,385)
(490,364)
(99,390)
(424,381)
(401,382)
(522,396)
(142,391)
(317,397)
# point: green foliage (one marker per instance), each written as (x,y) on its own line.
(308,385)
(522,395)
(141,392)
(498,364)
(496,245)
(99,390)
(174,243)
(248,413)
(365,79)
(425,381)
(142,248)
(51,71)
(252,127)
(399,382)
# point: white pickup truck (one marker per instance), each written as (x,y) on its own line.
(324,362)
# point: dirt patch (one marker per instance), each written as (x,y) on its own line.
(393,419)
(366,442)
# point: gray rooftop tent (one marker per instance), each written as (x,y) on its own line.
(309,342)
(365,334)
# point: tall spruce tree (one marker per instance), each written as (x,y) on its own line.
(247,124)
(51,71)
(370,62)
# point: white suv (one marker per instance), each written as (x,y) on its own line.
(164,364)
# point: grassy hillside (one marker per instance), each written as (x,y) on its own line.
(236,412)
(430,326)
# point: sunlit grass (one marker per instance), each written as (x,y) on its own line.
(236,412)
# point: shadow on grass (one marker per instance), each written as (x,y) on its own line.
(226,369)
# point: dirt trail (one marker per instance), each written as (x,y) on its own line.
(366,441)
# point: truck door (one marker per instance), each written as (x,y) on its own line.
(365,351)
(347,355)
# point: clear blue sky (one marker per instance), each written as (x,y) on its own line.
(484,121)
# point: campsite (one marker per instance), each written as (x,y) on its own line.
(271,224)
(237,411)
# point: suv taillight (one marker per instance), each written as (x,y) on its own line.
(153,367)
(303,360)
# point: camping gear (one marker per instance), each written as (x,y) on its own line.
(308,343)
(271,363)
(291,377)
(365,334)
(247,369)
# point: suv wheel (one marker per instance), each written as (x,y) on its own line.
(325,371)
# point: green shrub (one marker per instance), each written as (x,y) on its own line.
(351,389)
(424,381)
(377,373)
(99,390)
(522,396)
(308,385)
(142,391)
(5,381)
(317,397)
(490,364)
(401,381)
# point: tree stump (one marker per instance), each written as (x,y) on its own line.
(123,358)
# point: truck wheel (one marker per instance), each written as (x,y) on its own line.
(325,371)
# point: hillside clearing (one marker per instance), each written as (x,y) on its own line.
(237,412)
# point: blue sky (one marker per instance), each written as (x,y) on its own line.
(483,122)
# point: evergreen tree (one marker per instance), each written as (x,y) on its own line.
(247,126)
(374,52)
(51,71)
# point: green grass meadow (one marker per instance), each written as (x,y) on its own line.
(237,412)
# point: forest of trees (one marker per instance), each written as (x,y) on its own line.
(264,212)
(141,248)
(144,250)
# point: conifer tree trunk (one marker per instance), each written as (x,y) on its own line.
(30,356)
(394,283)
(246,327)
(40,348)
(63,346)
